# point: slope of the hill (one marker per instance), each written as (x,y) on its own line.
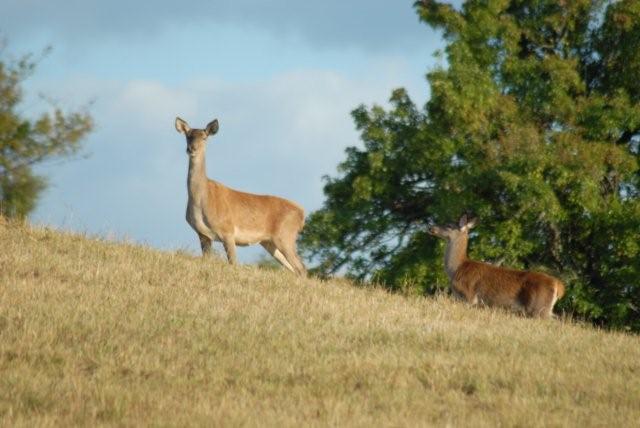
(93,332)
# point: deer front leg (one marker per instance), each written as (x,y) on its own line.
(457,295)
(230,249)
(205,244)
(464,293)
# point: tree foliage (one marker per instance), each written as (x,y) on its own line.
(534,126)
(26,142)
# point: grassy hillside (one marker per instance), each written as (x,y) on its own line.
(94,332)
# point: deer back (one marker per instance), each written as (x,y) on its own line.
(260,216)
(497,286)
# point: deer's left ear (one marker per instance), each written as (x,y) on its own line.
(212,127)
(182,126)
(463,221)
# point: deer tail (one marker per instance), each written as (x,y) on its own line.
(559,288)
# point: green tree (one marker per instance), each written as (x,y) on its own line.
(534,126)
(26,142)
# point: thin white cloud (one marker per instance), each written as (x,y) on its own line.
(374,25)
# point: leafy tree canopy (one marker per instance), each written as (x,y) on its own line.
(26,142)
(533,126)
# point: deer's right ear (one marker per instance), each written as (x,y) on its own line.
(472,223)
(212,127)
(463,221)
(182,126)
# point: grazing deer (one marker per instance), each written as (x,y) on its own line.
(532,292)
(218,213)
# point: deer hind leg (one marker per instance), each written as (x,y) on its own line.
(288,250)
(302,269)
(541,302)
(544,312)
(205,244)
(547,309)
(285,242)
(292,256)
(271,248)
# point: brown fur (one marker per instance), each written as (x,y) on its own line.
(217,212)
(533,292)
(267,214)
(481,283)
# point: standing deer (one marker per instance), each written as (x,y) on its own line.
(218,213)
(532,292)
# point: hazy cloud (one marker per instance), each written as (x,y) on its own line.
(367,24)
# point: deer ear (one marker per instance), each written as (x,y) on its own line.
(212,127)
(463,221)
(182,126)
(471,223)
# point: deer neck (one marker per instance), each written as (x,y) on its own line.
(455,255)
(197,177)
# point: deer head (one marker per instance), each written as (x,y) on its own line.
(196,138)
(452,232)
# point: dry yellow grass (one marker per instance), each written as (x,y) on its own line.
(101,333)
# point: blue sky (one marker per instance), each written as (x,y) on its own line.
(281,77)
